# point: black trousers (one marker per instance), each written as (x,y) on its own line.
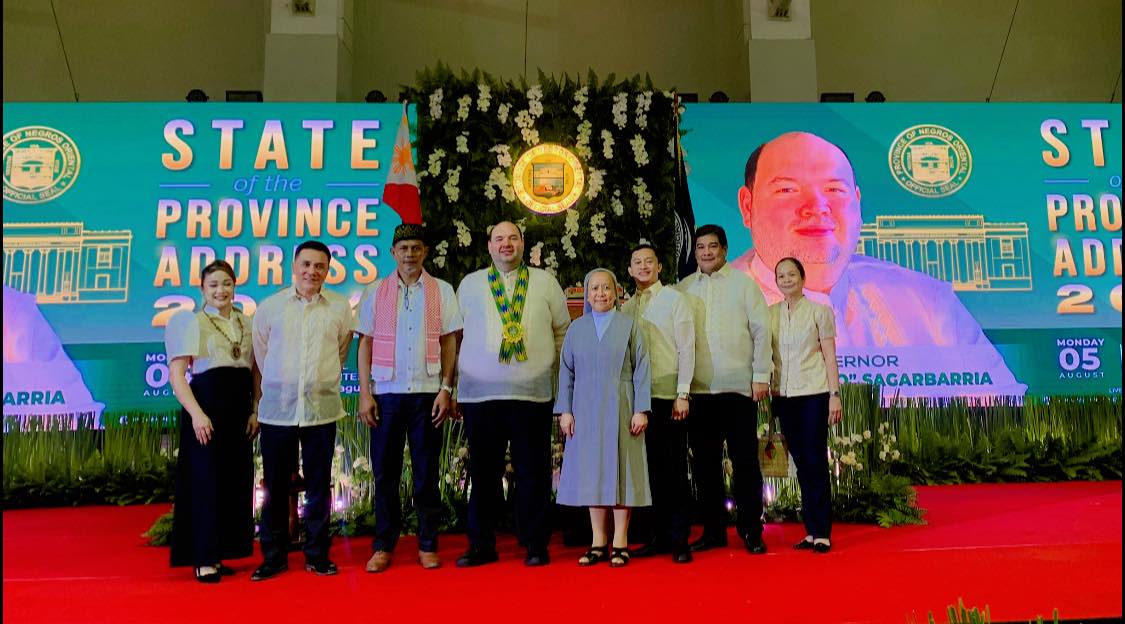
(279,462)
(404,417)
(666,443)
(804,421)
(214,512)
(491,426)
(730,418)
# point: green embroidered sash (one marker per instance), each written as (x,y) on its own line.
(511,313)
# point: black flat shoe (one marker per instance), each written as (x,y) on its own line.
(477,557)
(225,570)
(268,570)
(803,545)
(707,543)
(210,577)
(821,548)
(322,567)
(682,556)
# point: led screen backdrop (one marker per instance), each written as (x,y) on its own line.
(965,248)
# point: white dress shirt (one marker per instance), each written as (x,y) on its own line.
(732,337)
(481,376)
(300,348)
(410,372)
(669,331)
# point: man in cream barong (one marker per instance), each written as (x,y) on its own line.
(515,318)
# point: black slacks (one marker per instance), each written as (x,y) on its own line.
(666,442)
(731,418)
(491,426)
(279,462)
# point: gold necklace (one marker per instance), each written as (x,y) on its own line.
(235,347)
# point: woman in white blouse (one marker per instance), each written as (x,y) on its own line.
(806,395)
(214,512)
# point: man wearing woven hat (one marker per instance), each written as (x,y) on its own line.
(515,319)
(408,346)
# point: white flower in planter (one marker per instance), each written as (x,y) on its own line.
(435,104)
(484,97)
(581,96)
(524,119)
(434,163)
(857,437)
(453,178)
(503,155)
(640,155)
(616,204)
(883,455)
(463,104)
(607,144)
(535,256)
(530,136)
(598,229)
(867,435)
(895,454)
(463,143)
(582,144)
(502,112)
(464,236)
(594,183)
(621,110)
(644,102)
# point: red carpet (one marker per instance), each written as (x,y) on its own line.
(1022,549)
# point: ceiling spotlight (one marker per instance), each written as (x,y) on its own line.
(197,95)
(719,97)
(375,97)
(876,96)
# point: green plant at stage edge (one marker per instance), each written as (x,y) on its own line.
(960,615)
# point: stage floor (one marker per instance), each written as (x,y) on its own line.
(1022,549)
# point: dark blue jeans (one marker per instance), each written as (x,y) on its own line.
(527,425)
(804,421)
(279,462)
(402,418)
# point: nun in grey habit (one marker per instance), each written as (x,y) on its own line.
(604,397)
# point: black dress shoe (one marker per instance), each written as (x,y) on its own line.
(321,567)
(537,558)
(650,549)
(803,545)
(754,544)
(682,556)
(210,577)
(821,548)
(477,557)
(268,570)
(225,570)
(707,542)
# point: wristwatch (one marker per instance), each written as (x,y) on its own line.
(684,395)
(834,393)
(448,388)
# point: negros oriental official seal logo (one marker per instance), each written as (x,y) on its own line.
(40,163)
(548,179)
(930,160)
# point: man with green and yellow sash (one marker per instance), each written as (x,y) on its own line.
(515,318)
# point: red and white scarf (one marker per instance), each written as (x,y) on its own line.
(386,326)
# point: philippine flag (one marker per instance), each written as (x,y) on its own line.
(400,191)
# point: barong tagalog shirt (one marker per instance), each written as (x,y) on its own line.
(732,338)
(300,348)
(481,376)
(798,362)
(210,341)
(669,330)
(410,373)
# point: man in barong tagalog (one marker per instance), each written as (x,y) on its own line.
(515,318)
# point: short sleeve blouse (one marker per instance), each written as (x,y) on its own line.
(209,339)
